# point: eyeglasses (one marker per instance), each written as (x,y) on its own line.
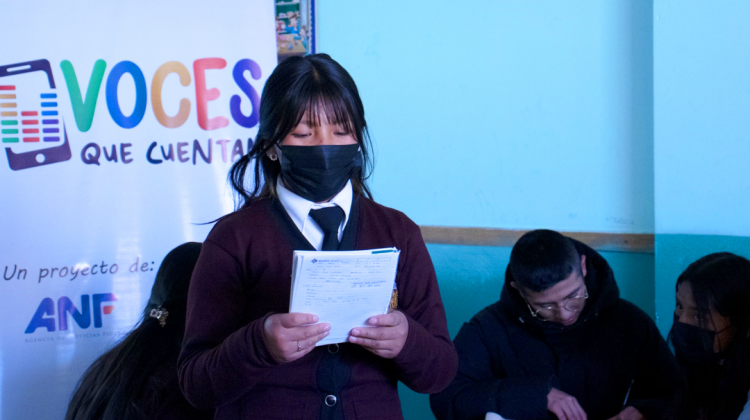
(571,304)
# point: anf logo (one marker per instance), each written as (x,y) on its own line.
(45,313)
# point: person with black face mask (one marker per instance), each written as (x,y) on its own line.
(710,338)
(243,354)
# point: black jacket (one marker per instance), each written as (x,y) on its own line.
(509,361)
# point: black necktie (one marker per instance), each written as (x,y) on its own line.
(329,219)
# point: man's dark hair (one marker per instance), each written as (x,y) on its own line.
(542,258)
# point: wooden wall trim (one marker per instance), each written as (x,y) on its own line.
(618,242)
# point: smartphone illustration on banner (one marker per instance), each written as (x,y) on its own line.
(31,127)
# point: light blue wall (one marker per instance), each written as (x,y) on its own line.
(537,114)
(606,116)
(505,114)
(702,117)
(702,137)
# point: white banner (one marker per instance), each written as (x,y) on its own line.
(118,125)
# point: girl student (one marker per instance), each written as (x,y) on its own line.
(137,378)
(243,353)
(710,338)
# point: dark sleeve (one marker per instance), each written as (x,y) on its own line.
(657,377)
(221,357)
(428,361)
(176,407)
(481,386)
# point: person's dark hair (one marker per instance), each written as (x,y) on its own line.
(314,84)
(542,258)
(131,379)
(719,281)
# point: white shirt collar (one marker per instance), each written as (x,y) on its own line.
(299,208)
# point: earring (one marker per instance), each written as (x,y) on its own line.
(273,158)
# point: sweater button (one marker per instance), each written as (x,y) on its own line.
(333,348)
(330,400)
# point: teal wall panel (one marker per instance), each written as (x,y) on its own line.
(471,277)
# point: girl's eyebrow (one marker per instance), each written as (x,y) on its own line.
(311,123)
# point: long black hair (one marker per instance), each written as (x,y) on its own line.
(314,84)
(719,281)
(132,379)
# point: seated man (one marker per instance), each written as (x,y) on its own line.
(560,343)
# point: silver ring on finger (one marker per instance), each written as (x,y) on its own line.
(299,346)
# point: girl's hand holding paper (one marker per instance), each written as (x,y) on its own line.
(387,335)
(291,336)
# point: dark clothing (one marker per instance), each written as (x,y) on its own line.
(718,391)
(244,274)
(170,404)
(509,361)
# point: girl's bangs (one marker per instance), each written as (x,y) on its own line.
(334,106)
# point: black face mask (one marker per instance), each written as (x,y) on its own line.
(318,173)
(693,345)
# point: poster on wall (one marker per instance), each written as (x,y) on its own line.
(118,125)
(295,27)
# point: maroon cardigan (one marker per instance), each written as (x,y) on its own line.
(244,274)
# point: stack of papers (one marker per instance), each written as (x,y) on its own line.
(343,288)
